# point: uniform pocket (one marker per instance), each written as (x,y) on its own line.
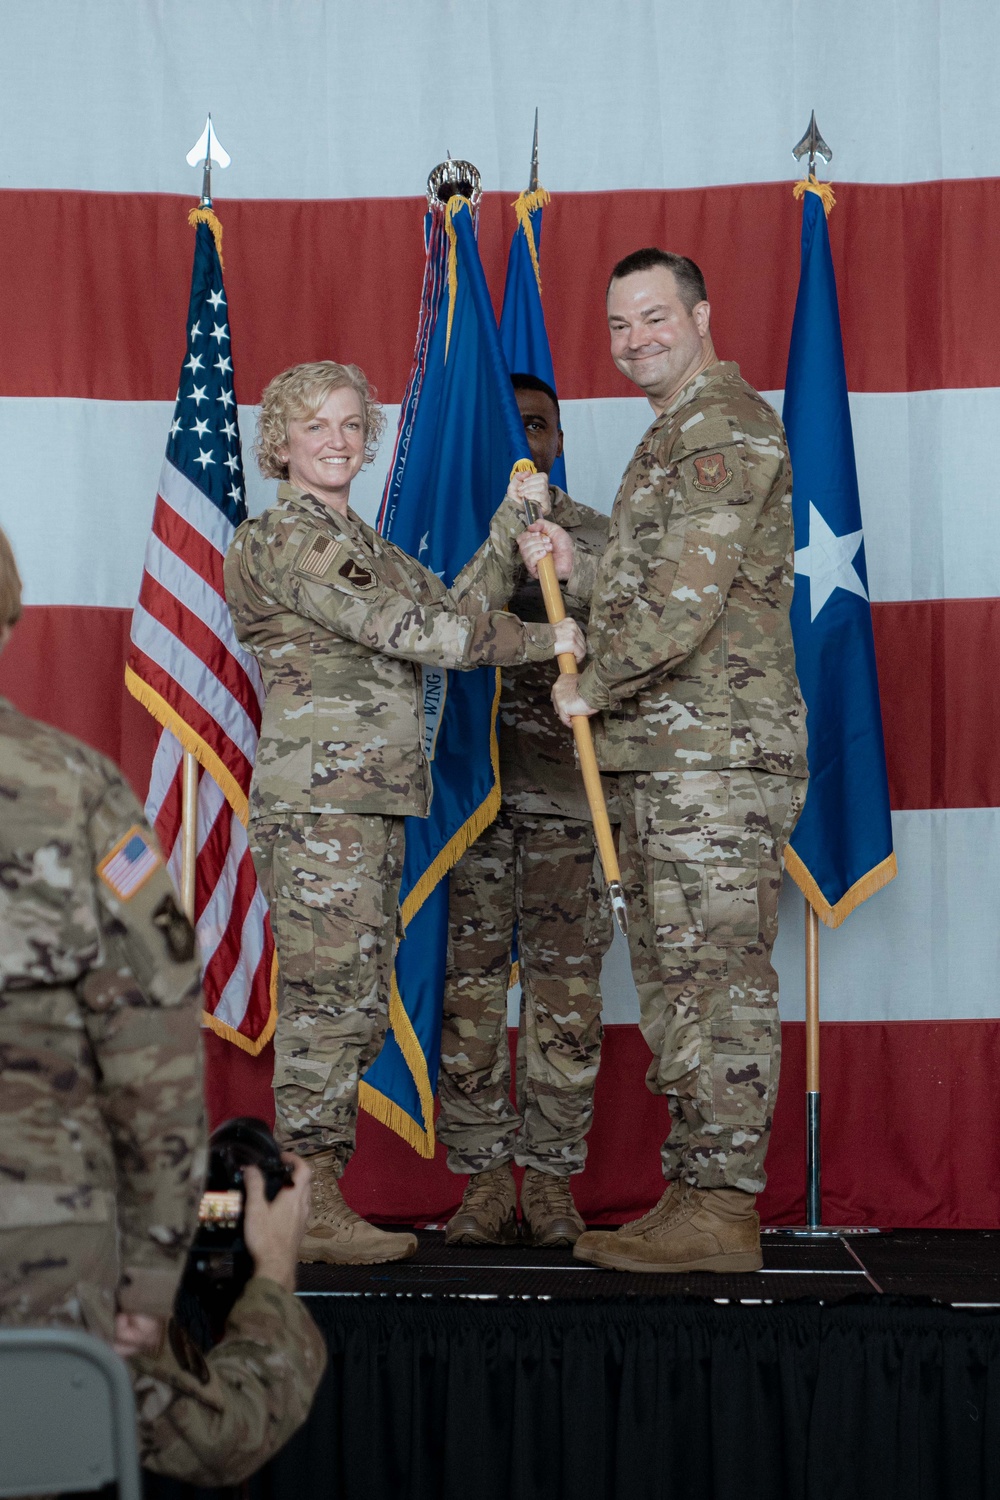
(731,904)
(301,1069)
(741,1070)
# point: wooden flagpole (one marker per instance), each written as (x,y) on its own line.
(189,834)
(814,1198)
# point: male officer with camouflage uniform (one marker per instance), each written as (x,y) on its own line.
(693,675)
(533,868)
(341,621)
(102,1130)
(102,1133)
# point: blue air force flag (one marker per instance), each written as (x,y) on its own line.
(841,850)
(459,435)
(523,337)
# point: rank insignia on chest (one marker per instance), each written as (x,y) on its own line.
(358,577)
(712,472)
(127,867)
(319,556)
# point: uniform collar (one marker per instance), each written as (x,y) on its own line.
(304,500)
(721,370)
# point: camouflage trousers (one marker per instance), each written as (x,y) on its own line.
(701,859)
(332,883)
(539,872)
(62,1274)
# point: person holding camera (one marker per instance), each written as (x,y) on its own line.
(214,1417)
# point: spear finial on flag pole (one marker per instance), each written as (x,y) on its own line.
(812,145)
(533,179)
(208,148)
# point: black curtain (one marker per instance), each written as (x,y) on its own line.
(624,1400)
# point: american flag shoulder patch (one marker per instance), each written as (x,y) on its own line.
(127,867)
(318,556)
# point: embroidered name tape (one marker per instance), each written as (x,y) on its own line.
(127,867)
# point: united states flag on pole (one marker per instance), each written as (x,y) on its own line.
(187,667)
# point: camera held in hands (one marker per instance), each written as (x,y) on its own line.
(219,1265)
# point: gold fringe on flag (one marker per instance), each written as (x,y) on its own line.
(207,216)
(524,207)
(190,740)
(832,916)
(452,207)
(253,1045)
(823,191)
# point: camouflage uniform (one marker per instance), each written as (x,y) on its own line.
(214,1419)
(341,621)
(534,867)
(101,1117)
(693,667)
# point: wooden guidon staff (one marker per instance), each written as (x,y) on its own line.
(556,611)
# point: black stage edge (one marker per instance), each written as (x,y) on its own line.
(843,1370)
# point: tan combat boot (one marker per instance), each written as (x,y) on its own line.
(338,1236)
(700,1230)
(548,1212)
(487,1214)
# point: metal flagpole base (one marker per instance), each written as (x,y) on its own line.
(812,1229)
(821,1231)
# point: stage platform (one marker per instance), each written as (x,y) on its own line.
(959,1268)
(845,1369)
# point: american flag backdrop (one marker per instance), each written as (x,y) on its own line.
(656,127)
(187,667)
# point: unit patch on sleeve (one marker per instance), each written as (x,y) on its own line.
(130,863)
(712,472)
(358,577)
(318,556)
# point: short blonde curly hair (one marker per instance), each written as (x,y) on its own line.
(297,394)
(10,585)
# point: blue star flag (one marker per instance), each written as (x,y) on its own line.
(841,851)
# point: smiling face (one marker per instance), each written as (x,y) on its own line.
(655,341)
(325,451)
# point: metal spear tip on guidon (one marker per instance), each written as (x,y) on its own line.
(812,145)
(533,177)
(206,150)
(454,179)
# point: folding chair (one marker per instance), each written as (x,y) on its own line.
(67,1415)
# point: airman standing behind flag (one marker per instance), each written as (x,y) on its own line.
(532,870)
(693,673)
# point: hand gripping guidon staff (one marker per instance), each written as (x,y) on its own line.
(556,611)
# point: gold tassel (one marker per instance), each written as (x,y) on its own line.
(453,205)
(823,191)
(207,216)
(524,207)
(832,916)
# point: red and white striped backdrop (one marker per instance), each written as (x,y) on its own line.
(655,128)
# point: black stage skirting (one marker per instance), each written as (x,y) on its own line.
(450,1392)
